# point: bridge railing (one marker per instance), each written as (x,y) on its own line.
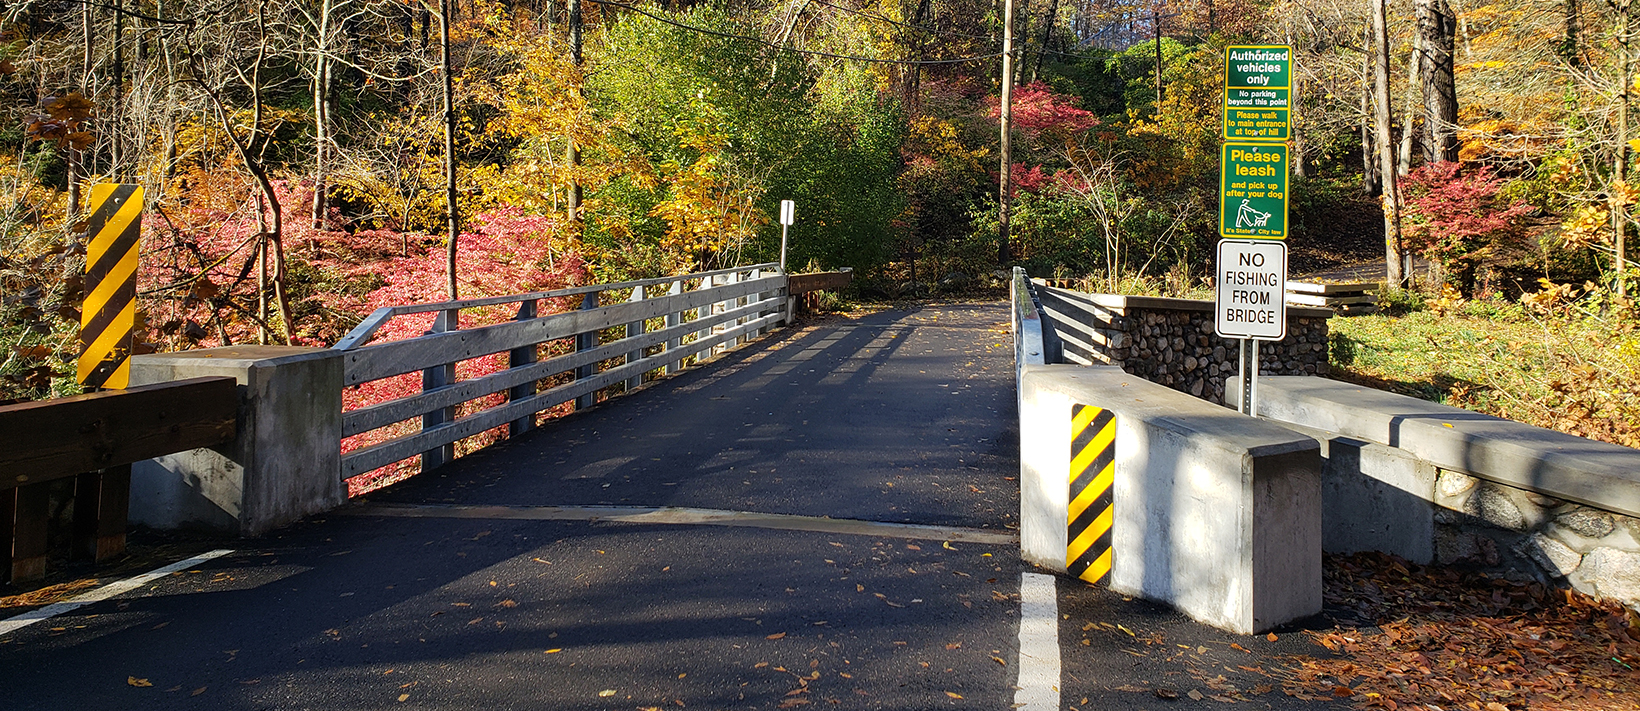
(631,328)
(94,439)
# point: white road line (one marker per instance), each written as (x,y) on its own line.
(690,516)
(1038,687)
(103,593)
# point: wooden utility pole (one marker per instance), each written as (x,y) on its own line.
(1005,111)
(1395,276)
(1156,20)
(452,218)
(573,211)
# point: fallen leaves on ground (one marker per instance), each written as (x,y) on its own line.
(141,683)
(1453,639)
(47,595)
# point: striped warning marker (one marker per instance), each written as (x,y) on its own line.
(1093,471)
(108,315)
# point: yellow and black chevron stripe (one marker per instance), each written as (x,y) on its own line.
(1093,472)
(109,313)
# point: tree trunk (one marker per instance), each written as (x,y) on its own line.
(452,215)
(1403,159)
(1394,275)
(1569,48)
(1004,115)
(1620,159)
(321,114)
(572,211)
(1437,37)
(1370,180)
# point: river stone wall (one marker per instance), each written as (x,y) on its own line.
(1487,524)
(1171,341)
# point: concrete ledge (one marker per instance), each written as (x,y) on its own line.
(1120,305)
(1216,513)
(1606,476)
(285,463)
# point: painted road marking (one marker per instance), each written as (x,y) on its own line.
(1038,686)
(104,592)
(690,516)
(1091,509)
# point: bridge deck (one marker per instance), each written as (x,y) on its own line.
(544,572)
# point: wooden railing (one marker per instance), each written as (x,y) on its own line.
(94,439)
(697,314)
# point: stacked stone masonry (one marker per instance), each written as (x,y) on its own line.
(1491,525)
(1172,341)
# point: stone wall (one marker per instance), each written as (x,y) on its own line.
(1171,341)
(1491,525)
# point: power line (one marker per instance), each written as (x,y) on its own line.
(880,18)
(758,40)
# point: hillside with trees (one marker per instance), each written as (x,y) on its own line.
(306,161)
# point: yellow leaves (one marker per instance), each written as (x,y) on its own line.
(606,693)
(953,694)
(139,683)
(777,635)
(554,650)
(1588,226)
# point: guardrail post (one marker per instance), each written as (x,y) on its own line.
(434,378)
(518,358)
(28,544)
(101,502)
(8,525)
(586,342)
(633,330)
(675,319)
(703,312)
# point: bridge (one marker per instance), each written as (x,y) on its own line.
(735,511)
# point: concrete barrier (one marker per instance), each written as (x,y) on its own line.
(1441,484)
(285,463)
(1215,513)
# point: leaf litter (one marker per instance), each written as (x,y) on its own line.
(1437,637)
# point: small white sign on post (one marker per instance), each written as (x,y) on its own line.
(788,217)
(1251,286)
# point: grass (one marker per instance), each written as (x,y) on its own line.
(1566,367)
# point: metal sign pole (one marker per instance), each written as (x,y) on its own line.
(783,249)
(788,216)
(1252,379)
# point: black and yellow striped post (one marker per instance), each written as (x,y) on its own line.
(1091,509)
(108,315)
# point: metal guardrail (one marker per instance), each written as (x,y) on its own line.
(94,439)
(703,313)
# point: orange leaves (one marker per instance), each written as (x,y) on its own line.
(63,122)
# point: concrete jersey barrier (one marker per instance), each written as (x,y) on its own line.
(1214,513)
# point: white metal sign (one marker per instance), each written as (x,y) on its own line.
(1252,289)
(788,212)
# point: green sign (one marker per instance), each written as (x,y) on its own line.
(1257,93)
(1256,115)
(1253,191)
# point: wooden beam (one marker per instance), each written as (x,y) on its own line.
(52,439)
(824,281)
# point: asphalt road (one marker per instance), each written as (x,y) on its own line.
(822,518)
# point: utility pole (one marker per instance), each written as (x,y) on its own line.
(573,209)
(1156,20)
(1005,113)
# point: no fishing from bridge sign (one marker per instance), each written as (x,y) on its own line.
(1258,93)
(1251,286)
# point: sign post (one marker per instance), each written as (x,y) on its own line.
(1251,282)
(788,217)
